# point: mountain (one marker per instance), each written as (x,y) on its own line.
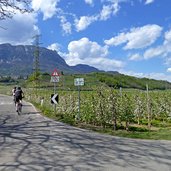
(81,68)
(19,60)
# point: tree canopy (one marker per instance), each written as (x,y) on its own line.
(9,7)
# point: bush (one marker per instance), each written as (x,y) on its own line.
(138,129)
(158,123)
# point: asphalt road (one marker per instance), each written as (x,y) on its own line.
(31,142)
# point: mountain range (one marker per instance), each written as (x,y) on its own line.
(19,61)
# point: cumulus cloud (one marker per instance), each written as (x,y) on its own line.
(55,46)
(48,9)
(135,57)
(115,41)
(153,52)
(139,37)
(168,69)
(162,50)
(85,51)
(108,10)
(148,2)
(84,22)
(84,48)
(66,25)
(167,37)
(20,29)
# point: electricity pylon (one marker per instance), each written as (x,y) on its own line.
(36,63)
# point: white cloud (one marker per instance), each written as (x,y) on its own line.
(168,69)
(148,2)
(108,10)
(168,61)
(135,57)
(20,29)
(139,37)
(154,52)
(105,64)
(90,2)
(115,41)
(85,48)
(160,76)
(85,51)
(54,46)
(159,51)
(156,76)
(66,26)
(167,37)
(48,9)
(84,22)
(162,50)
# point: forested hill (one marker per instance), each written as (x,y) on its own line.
(114,79)
(117,80)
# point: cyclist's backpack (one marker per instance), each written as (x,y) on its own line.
(18,93)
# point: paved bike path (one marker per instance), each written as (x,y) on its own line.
(31,142)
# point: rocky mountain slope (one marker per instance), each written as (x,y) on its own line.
(19,60)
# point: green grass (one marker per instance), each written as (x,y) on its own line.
(6,89)
(161,134)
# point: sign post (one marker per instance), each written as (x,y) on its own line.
(78,82)
(54,79)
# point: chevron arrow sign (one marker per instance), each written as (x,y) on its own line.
(54,98)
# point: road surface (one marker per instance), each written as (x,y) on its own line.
(31,142)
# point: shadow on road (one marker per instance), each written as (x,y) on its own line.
(33,143)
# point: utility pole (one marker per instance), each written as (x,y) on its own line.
(36,64)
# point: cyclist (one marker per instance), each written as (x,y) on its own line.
(13,93)
(19,94)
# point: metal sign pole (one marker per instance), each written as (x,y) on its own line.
(54,94)
(54,98)
(78,117)
(78,82)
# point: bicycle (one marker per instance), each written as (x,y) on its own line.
(19,107)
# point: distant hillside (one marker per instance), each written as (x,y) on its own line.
(81,68)
(120,80)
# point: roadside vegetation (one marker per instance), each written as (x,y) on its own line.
(106,108)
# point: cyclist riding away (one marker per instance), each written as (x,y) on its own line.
(19,94)
(13,93)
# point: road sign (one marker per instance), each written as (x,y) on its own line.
(55,73)
(54,98)
(79,81)
(54,79)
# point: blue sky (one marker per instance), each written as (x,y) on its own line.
(129,36)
